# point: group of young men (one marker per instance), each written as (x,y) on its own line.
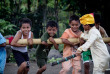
(91,46)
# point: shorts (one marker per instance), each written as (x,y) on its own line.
(86,56)
(20,57)
(41,62)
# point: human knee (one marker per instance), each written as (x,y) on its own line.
(23,65)
(86,65)
(44,68)
(26,69)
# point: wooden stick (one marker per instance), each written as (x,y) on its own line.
(57,40)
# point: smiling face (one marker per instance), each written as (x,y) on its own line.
(25,28)
(51,31)
(74,25)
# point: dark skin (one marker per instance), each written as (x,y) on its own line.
(86,64)
(51,31)
(25,28)
(75,28)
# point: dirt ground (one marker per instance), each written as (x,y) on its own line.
(11,68)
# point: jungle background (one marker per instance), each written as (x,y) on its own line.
(41,11)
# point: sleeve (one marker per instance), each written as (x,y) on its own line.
(89,42)
(82,35)
(2,39)
(44,37)
(64,36)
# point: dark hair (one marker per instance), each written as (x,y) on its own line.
(51,24)
(91,25)
(97,18)
(25,20)
(74,17)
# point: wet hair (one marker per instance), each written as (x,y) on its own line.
(97,18)
(24,20)
(51,24)
(74,17)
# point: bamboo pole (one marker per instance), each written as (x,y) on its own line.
(57,40)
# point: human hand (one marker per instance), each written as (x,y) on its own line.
(78,53)
(45,43)
(51,39)
(30,41)
(109,44)
(82,41)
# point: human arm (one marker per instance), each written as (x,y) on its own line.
(82,41)
(89,42)
(15,40)
(30,41)
(65,40)
(53,42)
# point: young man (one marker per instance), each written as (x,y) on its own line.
(2,53)
(44,48)
(95,42)
(70,48)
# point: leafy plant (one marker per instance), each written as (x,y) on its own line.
(53,60)
(6,28)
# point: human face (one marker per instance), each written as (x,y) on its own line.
(51,31)
(97,25)
(86,27)
(25,28)
(74,25)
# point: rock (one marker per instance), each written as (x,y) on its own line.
(54,53)
(32,54)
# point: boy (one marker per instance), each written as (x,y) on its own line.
(2,53)
(20,51)
(97,25)
(70,48)
(86,56)
(44,48)
(95,42)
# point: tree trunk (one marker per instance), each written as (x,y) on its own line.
(29,5)
(56,14)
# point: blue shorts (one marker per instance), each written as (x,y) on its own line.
(2,59)
(20,57)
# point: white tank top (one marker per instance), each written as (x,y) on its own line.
(21,49)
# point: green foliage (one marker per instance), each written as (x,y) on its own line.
(11,59)
(6,28)
(53,60)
